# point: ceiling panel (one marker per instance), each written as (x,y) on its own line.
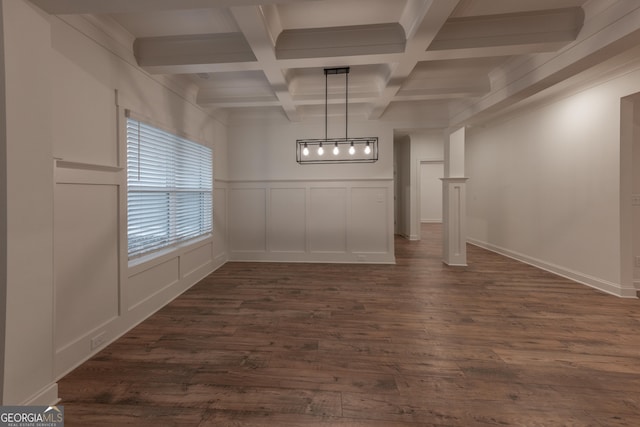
(336,13)
(364,81)
(495,7)
(240,88)
(178,22)
(231,79)
(464,66)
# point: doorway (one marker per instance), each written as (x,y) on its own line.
(431,191)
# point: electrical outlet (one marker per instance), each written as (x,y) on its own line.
(637,262)
(98,340)
(635,200)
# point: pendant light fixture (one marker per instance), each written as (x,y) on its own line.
(345,150)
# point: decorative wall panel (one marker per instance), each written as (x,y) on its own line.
(368,229)
(247,225)
(144,285)
(287,220)
(328,220)
(85,259)
(344,221)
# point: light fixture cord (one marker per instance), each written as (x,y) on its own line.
(346,106)
(326,103)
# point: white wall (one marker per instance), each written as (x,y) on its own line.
(65,144)
(263,147)
(90,190)
(3,206)
(630,189)
(28,361)
(284,211)
(635,190)
(544,185)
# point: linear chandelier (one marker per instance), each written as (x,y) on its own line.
(337,150)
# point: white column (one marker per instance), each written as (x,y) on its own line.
(454,216)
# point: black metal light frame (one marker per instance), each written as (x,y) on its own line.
(307,149)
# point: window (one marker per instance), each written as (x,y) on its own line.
(169,187)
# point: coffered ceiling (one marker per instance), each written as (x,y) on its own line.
(461,57)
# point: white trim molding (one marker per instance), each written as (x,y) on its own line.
(454,220)
(584,279)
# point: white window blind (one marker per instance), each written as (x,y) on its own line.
(169,188)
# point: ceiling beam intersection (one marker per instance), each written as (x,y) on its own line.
(253,24)
(431,17)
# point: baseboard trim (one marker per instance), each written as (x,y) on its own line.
(584,279)
(315,257)
(453,264)
(46,397)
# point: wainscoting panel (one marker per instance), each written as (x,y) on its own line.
(149,282)
(328,220)
(248,224)
(85,259)
(195,259)
(368,231)
(287,220)
(343,221)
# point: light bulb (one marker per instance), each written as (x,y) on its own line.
(320,150)
(367,149)
(305,150)
(352,149)
(336,150)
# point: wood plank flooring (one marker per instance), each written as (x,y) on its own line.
(497,343)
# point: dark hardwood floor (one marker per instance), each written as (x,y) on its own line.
(412,344)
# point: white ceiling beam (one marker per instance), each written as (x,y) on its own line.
(254,24)
(559,26)
(604,36)
(476,85)
(355,99)
(156,57)
(74,7)
(494,35)
(192,49)
(449,95)
(237,102)
(202,68)
(429,18)
(412,16)
(340,41)
(483,52)
(266,101)
(340,61)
